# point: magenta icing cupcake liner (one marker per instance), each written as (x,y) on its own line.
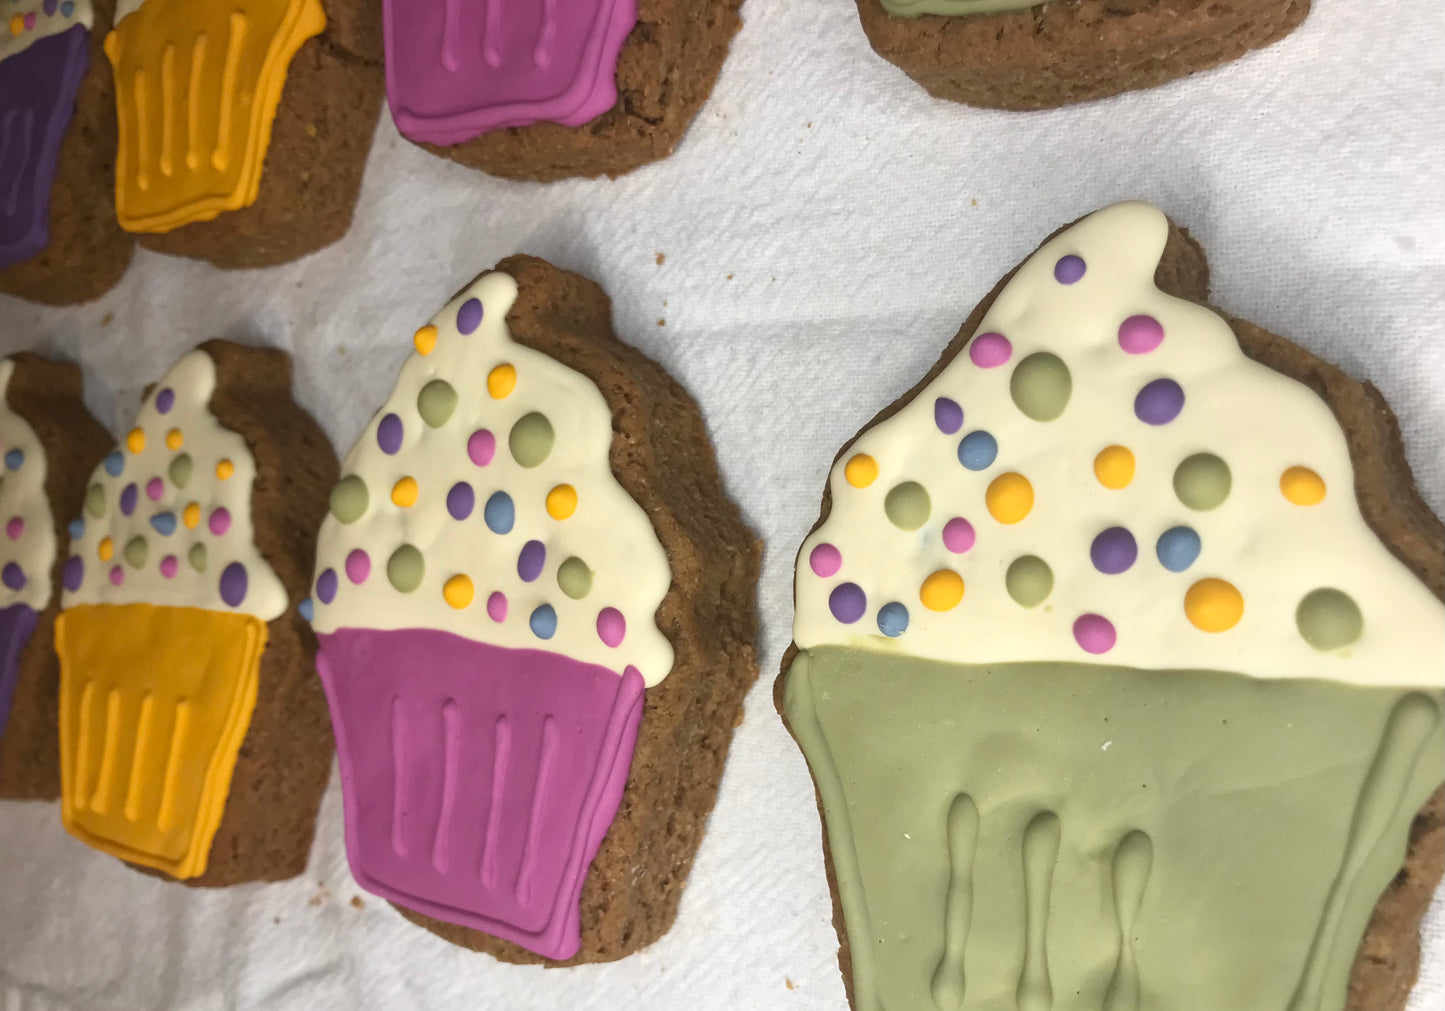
(478,781)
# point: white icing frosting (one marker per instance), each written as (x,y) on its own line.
(1272,551)
(125,8)
(27,527)
(16,37)
(220,509)
(608,531)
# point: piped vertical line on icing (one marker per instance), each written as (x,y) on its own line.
(142,142)
(1408,730)
(1040,855)
(491,34)
(83,746)
(105,777)
(235,43)
(398,783)
(501,759)
(451,746)
(12,199)
(451,15)
(193,103)
(547,37)
(6,133)
(166,814)
(948,978)
(1133,863)
(168,111)
(545,768)
(145,727)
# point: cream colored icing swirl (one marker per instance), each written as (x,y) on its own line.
(1102,474)
(27,526)
(481,501)
(167,515)
(24,23)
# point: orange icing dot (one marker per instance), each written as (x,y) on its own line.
(458,591)
(861,470)
(1302,486)
(561,502)
(17,24)
(174,439)
(1010,497)
(136,440)
(404,492)
(224,469)
(942,590)
(1213,605)
(501,381)
(1114,467)
(425,340)
(191,516)
(105,549)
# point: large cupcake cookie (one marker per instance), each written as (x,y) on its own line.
(535,612)
(1119,653)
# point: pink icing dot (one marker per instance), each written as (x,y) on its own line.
(958,535)
(169,566)
(358,566)
(117,575)
(1140,334)
(990,350)
(1094,633)
(155,487)
(481,447)
(220,520)
(30,21)
(497,606)
(825,560)
(14,528)
(611,627)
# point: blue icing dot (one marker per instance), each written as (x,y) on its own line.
(67,8)
(76,528)
(114,464)
(978,450)
(164,523)
(1178,547)
(15,459)
(892,619)
(307,609)
(543,622)
(499,513)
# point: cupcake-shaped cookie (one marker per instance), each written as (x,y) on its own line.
(48,443)
(488,600)
(176,640)
(1120,657)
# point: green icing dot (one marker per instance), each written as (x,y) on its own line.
(1328,619)
(1029,580)
(1202,481)
(907,505)
(436,402)
(95,501)
(1041,386)
(575,578)
(531,439)
(136,552)
(349,499)
(405,568)
(180,471)
(197,557)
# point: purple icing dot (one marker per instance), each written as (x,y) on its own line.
(1113,551)
(825,560)
(947,415)
(233,584)
(165,400)
(388,434)
(989,350)
(326,586)
(220,520)
(611,627)
(13,576)
(847,602)
(155,488)
(1069,269)
(497,606)
(469,316)
(358,566)
(127,499)
(170,565)
(529,562)
(1159,402)
(73,573)
(50,6)
(460,500)
(1095,633)
(481,447)
(117,575)
(958,535)
(1139,335)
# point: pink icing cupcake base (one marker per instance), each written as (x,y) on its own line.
(478,781)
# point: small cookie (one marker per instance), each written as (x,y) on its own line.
(193,734)
(527,90)
(535,606)
(1008,54)
(48,445)
(1127,609)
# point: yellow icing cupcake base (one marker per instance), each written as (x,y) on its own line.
(154,705)
(197,87)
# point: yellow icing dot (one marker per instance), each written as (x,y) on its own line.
(17,24)
(1010,497)
(458,591)
(136,440)
(1114,467)
(1302,486)
(861,470)
(174,439)
(942,590)
(426,340)
(191,515)
(1212,605)
(403,493)
(105,549)
(224,469)
(561,502)
(501,381)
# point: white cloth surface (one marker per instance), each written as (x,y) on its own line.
(826,226)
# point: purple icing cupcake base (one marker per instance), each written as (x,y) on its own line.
(17,623)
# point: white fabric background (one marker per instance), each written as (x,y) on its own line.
(826,227)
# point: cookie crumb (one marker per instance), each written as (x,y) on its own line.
(662,322)
(787,982)
(730,277)
(107,318)
(660,258)
(357,902)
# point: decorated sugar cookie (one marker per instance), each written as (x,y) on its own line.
(1094,631)
(496,596)
(177,639)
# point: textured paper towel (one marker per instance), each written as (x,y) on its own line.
(825,228)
